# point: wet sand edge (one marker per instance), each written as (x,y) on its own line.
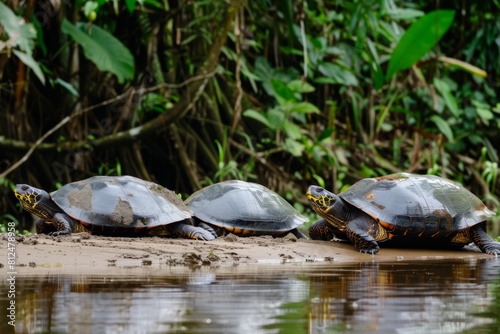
(82,253)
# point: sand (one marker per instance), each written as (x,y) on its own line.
(82,253)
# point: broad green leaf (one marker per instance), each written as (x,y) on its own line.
(292,130)
(282,91)
(26,39)
(31,63)
(89,7)
(496,108)
(419,39)
(266,74)
(326,134)
(22,34)
(443,126)
(294,147)
(262,68)
(485,114)
(104,50)
(300,86)
(449,99)
(130,5)
(250,113)
(336,74)
(276,118)
(304,108)
(9,20)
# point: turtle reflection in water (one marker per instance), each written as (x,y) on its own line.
(402,209)
(111,205)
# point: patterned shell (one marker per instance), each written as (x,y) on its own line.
(120,201)
(417,203)
(245,205)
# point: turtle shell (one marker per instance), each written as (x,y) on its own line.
(419,205)
(238,205)
(120,202)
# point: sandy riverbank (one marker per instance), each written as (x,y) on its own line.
(83,253)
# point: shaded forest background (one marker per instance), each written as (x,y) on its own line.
(283,93)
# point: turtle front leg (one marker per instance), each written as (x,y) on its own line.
(208,228)
(321,230)
(190,232)
(44,226)
(60,224)
(361,231)
(63,224)
(482,240)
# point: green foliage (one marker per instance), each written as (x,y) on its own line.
(227,168)
(293,318)
(288,111)
(300,95)
(9,222)
(419,39)
(21,39)
(491,311)
(106,169)
(103,49)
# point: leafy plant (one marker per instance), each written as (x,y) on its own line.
(103,49)
(21,39)
(419,39)
(288,111)
(229,169)
(323,92)
(7,222)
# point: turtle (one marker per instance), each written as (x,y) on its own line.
(244,209)
(402,209)
(111,205)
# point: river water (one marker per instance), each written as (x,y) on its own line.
(460,296)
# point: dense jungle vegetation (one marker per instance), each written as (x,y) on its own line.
(284,93)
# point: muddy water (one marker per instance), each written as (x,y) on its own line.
(402,297)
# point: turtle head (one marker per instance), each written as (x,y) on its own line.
(328,205)
(35,200)
(321,200)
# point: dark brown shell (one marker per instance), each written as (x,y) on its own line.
(417,203)
(120,202)
(244,205)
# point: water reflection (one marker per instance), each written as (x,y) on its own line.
(428,297)
(416,297)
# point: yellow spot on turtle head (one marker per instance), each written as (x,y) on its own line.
(28,199)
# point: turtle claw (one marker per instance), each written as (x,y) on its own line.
(493,251)
(371,251)
(367,247)
(209,229)
(203,235)
(204,238)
